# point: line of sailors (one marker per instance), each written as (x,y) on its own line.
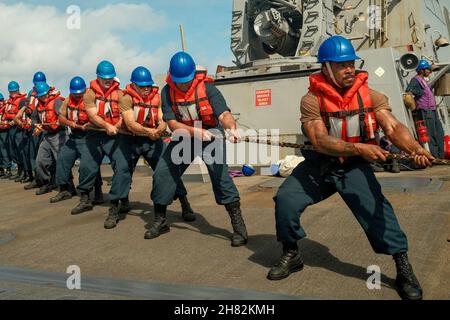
(339,97)
(121,124)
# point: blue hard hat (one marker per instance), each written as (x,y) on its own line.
(106,70)
(182,68)
(423,64)
(13,86)
(42,88)
(77,85)
(337,49)
(248,170)
(39,77)
(1,96)
(142,77)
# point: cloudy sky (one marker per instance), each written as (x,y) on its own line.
(34,36)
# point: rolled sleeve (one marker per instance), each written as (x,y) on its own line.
(379,101)
(309,108)
(168,113)
(63,110)
(216,99)
(89,99)
(58,105)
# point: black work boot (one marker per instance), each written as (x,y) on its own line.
(44,189)
(32,185)
(62,195)
(20,175)
(407,284)
(98,196)
(23,177)
(395,168)
(84,205)
(2,172)
(28,177)
(7,174)
(125,206)
(160,225)
(240,236)
(15,175)
(186,211)
(290,262)
(113,216)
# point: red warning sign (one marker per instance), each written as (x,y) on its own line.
(263,98)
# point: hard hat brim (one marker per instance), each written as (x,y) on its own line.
(144,84)
(77,91)
(37,81)
(341,59)
(107,76)
(183,79)
(42,94)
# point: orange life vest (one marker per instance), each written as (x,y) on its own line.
(2,109)
(76,111)
(11,108)
(33,101)
(350,117)
(107,103)
(47,113)
(145,111)
(194,104)
(31,106)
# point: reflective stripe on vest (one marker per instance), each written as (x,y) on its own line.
(26,116)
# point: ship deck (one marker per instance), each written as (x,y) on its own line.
(39,240)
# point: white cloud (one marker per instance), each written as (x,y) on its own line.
(36,38)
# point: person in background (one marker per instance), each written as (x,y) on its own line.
(426,108)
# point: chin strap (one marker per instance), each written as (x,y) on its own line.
(330,72)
